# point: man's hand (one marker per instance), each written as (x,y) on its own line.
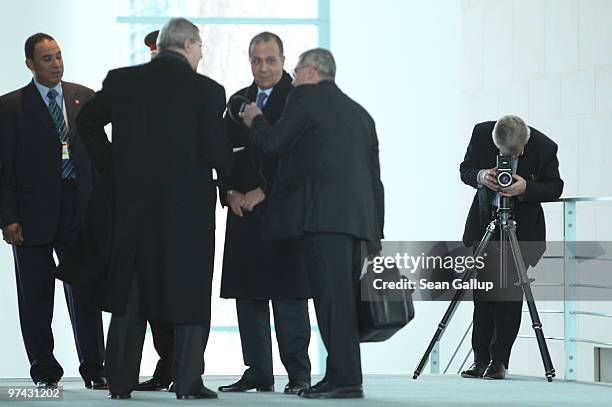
(12,234)
(253,198)
(518,187)
(250,112)
(487,178)
(235,199)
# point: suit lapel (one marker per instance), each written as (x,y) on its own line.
(276,102)
(73,102)
(251,92)
(34,103)
(526,164)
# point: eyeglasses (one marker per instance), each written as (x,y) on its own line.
(297,69)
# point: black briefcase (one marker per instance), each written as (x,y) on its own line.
(382,312)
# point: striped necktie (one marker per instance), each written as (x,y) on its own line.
(261,99)
(60,125)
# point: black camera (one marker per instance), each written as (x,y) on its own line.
(504,170)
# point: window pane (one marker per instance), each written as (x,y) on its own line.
(225,8)
(226,56)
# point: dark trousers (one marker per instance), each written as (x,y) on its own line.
(332,261)
(292,326)
(497,313)
(163,341)
(496,325)
(34,268)
(124,350)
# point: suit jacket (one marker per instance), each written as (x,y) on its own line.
(31,156)
(328,177)
(168,135)
(253,268)
(540,168)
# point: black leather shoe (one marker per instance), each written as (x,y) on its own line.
(46,384)
(205,393)
(475,371)
(119,396)
(317,386)
(294,387)
(153,384)
(97,383)
(329,391)
(242,386)
(495,370)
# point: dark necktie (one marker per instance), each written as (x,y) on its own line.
(60,125)
(261,99)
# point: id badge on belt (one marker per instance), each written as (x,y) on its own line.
(65,151)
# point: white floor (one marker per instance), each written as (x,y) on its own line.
(380,391)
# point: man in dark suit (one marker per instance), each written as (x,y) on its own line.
(168,135)
(45,182)
(536,177)
(327,193)
(255,271)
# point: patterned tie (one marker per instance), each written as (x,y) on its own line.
(60,124)
(261,99)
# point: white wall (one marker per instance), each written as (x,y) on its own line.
(549,61)
(426,71)
(402,61)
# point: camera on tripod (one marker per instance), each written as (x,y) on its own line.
(504,170)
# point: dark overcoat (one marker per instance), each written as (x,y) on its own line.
(252,267)
(156,190)
(328,177)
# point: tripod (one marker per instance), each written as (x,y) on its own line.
(507,227)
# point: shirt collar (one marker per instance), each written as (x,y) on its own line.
(266,91)
(43,90)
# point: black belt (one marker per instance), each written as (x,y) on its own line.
(69,183)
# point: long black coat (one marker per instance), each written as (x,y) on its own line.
(328,176)
(540,168)
(31,157)
(168,134)
(253,268)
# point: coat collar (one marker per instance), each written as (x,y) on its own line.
(168,54)
(276,101)
(279,89)
(526,162)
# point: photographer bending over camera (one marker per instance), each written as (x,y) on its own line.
(530,176)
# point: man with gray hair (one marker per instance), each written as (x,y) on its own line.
(536,179)
(168,135)
(328,197)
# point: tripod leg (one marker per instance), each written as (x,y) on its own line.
(450,311)
(524,282)
(503,249)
